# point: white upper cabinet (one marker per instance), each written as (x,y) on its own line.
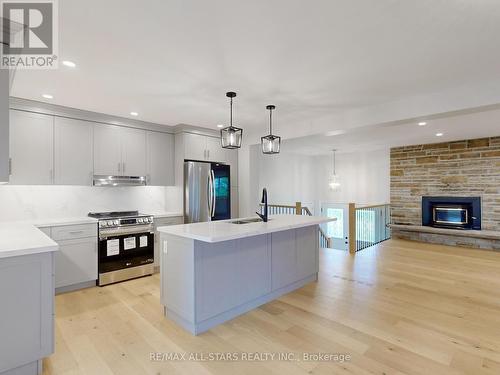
(195,147)
(204,148)
(215,152)
(4,125)
(31,148)
(107,150)
(133,152)
(160,162)
(73,157)
(119,151)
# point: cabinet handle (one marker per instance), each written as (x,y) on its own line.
(76,232)
(208,154)
(51,174)
(10,166)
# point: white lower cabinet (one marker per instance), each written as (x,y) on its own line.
(76,262)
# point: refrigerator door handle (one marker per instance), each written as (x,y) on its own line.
(213,193)
(209,195)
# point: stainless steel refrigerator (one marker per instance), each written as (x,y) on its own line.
(207,192)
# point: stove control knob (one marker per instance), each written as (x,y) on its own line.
(116,222)
(109,223)
(102,224)
(150,219)
(140,220)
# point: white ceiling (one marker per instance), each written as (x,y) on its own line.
(459,126)
(326,64)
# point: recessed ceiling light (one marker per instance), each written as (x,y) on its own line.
(423,123)
(439,134)
(69,64)
(220,126)
(134,113)
(47,96)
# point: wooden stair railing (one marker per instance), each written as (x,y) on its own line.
(297,209)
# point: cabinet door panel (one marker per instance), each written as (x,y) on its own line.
(160,159)
(254,268)
(27,320)
(31,148)
(217,278)
(195,146)
(215,151)
(107,150)
(76,262)
(73,154)
(4,125)
(283,258)
(133,152)
(307,251)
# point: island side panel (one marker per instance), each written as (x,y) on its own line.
(178,279)
(283,258)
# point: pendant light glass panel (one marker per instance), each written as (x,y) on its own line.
(270,144)
(231,136)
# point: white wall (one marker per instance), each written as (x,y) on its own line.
(52,202)
(365,178)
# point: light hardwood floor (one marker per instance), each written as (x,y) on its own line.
(397,308)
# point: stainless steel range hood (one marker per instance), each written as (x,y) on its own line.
(100,180)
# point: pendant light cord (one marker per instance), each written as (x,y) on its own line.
(231,113)
(334,173)
(270,121)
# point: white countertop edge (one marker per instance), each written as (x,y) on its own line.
(170,230)
(24,239)
(28,251)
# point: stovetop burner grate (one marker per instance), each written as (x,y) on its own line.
(113,214)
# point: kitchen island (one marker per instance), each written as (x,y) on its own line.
(212,272)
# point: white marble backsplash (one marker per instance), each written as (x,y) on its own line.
(52,202)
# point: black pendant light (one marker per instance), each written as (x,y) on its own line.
(270,143)
(231,136)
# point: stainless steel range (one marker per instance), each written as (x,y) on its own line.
(126,245)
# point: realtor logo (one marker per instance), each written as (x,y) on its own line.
(29,35)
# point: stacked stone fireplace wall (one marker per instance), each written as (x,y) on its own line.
(462,168)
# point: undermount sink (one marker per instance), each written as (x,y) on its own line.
(247,221)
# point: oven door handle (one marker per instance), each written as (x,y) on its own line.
(104,233)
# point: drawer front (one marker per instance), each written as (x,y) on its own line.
(164,221)
(69,232)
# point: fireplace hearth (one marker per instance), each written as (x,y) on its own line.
(452,212)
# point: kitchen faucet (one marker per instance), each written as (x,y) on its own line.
(264,216)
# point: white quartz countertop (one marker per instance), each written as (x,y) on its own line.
(217,231)
(23,239)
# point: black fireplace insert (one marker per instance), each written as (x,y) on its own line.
(452,212)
